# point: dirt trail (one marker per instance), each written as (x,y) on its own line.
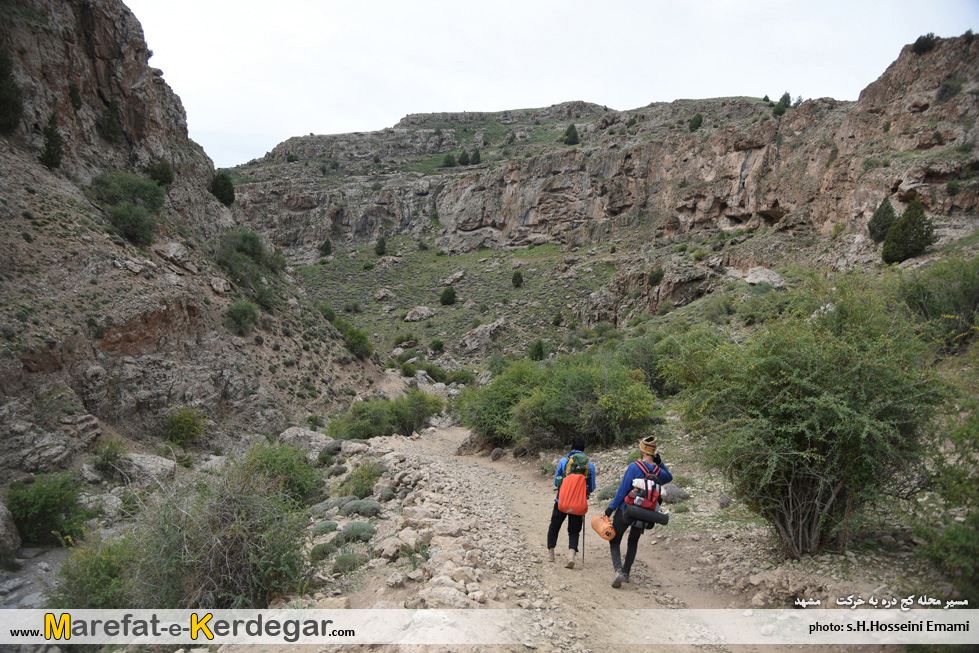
(583,595)
(665,574)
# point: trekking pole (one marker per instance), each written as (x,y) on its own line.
(584,536)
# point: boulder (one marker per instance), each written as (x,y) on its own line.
(673,493)
(145,469)
(482,336)
(9,537)
(419,314)
(764,275)
(305,439)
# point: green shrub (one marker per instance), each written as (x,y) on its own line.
(348,562)
(881,222)
(326,311)
(409,370)
(381,246)
(118,188)
(571,135)
(536,350)
(487,410)
(160,171)
(474,159)
(813,417)
(98,575)
(358,531)
(696,122)
(355,340)
(655,276)
(11,97)
(436,346)
(464,158)
(717,308)
(284,467)
(107,457)
(326,248)
(925,43)
(517,279)
(324,550)
(245,258)
(241,317)
(597,398)
(184,426)
(324,527)
(47,510)
(449,161)
(946,297)
(234,541)
(411,411)
(53,144)
(223,188)
(133,222)
(952,187)
(448,296)
(108,124)
(360,482)
(910,235)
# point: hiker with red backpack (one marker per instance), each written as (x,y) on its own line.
(639,491)
(574,479)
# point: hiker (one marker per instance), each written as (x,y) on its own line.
(576,463)
(650,464)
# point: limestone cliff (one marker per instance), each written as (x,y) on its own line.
(822,164)
(99,335)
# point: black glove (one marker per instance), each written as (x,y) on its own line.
(657,459)
(608,512)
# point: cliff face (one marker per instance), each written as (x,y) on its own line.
(98,335)
(85,61)
(824,163)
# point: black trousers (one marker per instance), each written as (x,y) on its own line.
(574,528)
(620,525)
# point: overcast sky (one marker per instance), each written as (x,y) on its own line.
(253,73)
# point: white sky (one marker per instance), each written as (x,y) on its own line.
(251,74)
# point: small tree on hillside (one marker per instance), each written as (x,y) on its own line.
(381,247)
(449,161)
(910,235)
(517,279)
(474,159)
(53,144)
(571,135)
(881,221)
(448,296)
(464,158)
(326,248)
(223,188)
(11,98)
(696,122)
(161,172)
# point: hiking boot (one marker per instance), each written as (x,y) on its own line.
(626,579)
(619,578)
(550,555)
(571,555)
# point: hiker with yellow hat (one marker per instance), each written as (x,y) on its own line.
(649,470)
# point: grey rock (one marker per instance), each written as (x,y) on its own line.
(146,470)
(497,454)
(419,314)
(9,537)
(305,439)
(764,275)
(673,493)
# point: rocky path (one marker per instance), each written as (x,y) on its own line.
(506,506)
(490,521)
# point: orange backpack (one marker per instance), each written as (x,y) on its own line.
(572,496)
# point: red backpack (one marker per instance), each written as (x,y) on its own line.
(645,491)
(572,496)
